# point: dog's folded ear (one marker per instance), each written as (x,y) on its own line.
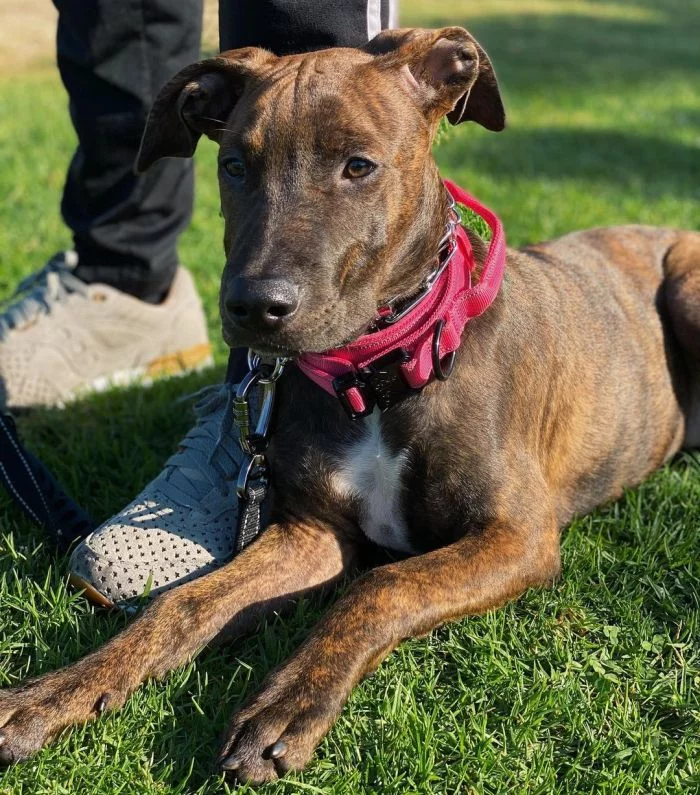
(448,70)
(197,101)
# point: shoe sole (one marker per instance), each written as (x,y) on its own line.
(90,592)
(188,360)
(194,359)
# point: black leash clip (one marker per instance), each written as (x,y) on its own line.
(253,477)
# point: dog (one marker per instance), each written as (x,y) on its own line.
(580,378)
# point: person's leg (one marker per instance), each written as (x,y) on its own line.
(183,524)
(114,56)
(289,26)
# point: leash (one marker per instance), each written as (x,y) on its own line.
(406,348)
(254,476)
(37,492)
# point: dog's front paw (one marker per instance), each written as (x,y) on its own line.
(27,719)
(280,728)
(34,713)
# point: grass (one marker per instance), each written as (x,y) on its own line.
(589,687)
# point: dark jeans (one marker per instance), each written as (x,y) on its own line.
(114,55)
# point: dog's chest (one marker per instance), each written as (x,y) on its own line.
(367,472)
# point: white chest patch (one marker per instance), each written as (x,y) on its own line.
(367,471)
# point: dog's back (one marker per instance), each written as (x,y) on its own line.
(623,400)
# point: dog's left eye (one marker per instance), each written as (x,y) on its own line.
(358,167)
(234,167)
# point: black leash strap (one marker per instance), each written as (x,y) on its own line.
(250,514)
(37,492)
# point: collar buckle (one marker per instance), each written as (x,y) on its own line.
(381,384)
(342,386)
(386,379)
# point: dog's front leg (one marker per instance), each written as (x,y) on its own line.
(280,728)
(284,562)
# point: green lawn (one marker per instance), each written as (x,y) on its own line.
(591,687)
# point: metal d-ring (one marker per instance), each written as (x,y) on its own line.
(267,373)
(442,368)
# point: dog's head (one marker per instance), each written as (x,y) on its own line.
(331,199)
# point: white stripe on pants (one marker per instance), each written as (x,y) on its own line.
(374,16)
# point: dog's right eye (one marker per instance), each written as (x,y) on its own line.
(358,167)
(234,167)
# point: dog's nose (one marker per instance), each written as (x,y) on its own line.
(261,303)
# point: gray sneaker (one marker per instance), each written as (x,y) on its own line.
(61,337)
(180,526)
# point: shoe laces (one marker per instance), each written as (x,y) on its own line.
(40,292)
(209,457)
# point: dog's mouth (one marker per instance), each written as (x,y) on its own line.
(265,347)
(277,346)
(275,352)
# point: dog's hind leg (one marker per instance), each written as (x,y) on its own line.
(286,561)
(682,266)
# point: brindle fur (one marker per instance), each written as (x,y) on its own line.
(582,378)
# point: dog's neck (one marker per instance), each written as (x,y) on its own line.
(408,349)
(417,252)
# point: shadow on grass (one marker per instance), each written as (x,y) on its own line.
(593,69)
(535,53)
(652,166)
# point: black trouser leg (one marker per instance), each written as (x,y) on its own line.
(288,26)
(114,56)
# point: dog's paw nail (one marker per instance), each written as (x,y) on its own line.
(7,756)
(102,702)
(279,749)
(232,762)
(3,739)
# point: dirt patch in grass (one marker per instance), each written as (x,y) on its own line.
(28,33)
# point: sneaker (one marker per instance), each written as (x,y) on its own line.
(61,337)
(181,526)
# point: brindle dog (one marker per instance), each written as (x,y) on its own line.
(582,378)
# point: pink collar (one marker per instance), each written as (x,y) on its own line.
(381,367)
